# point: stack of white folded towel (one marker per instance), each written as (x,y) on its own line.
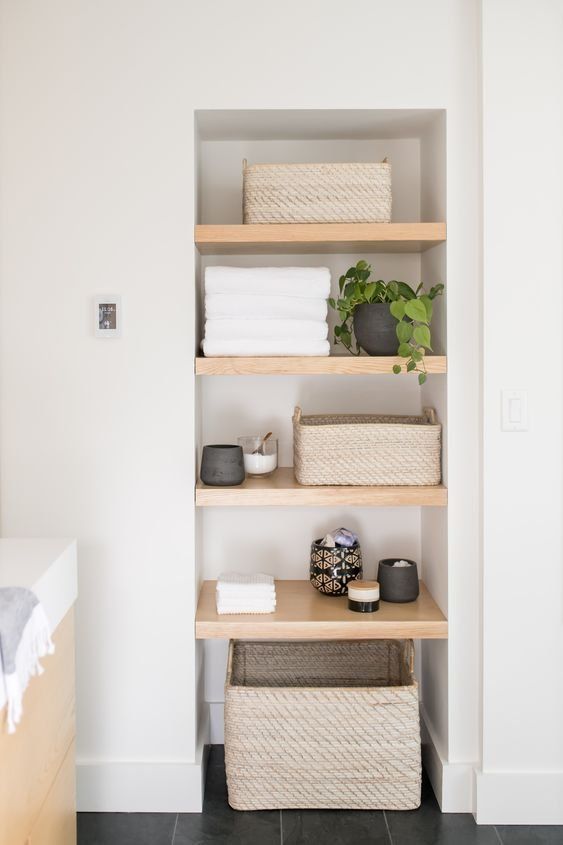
(238,593)
(266,311)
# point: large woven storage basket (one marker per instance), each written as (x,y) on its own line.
(317,193)
(322,724)
(365,449)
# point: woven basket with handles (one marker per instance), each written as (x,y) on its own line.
(317,193)
(322,724)
(366,449)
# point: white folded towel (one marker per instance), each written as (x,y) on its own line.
(238,593)
(266,329)
(227,305)
(255,581)
(267,601)
(265,348)
(307,282)
(243,608)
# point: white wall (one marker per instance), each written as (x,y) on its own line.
(97,169)
(522,776)
(96,435)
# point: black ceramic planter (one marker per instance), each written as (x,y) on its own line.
(333,567)
(397,583)
(375,328)
(222,466)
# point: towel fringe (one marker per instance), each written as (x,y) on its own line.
(35,643)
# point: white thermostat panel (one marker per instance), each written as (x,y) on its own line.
(107,316)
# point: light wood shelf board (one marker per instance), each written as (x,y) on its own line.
(333,365)
(303,613)
(318,237)
(282,490)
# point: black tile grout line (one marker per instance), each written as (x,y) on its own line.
(387,826)
(174,831)
(499,837)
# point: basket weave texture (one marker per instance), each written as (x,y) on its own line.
(366,449)
(317,193)
(322,725)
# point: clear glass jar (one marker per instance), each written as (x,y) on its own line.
(260,459)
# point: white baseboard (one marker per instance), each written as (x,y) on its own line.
(143,787)
(453,783)
(519,798)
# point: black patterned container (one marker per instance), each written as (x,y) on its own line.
(332,567)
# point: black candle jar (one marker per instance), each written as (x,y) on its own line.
(332,567)
(398,583)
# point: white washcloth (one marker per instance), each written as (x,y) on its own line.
(266,329)
(307,282)
(227,305)
(256,582)
(265,348)
(238,603)
(237,597)
(223,610)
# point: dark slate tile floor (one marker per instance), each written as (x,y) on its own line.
(220,825)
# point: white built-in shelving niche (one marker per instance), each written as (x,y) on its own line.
(277,538)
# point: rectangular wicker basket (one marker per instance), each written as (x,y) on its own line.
(365,449)
(317,193)
(322,724)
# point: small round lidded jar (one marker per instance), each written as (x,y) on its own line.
(260,455)
(363,596)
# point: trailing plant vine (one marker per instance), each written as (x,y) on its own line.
(411,308)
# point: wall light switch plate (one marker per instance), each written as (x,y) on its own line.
(107,316)
(514,410)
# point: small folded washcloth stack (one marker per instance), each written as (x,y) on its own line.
(266,311)
(238,593)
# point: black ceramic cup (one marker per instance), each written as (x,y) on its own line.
(222,466)
(331,568)
(397,583)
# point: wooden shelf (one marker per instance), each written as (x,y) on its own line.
(303,613)
(293,238)
(282,490)
(334,365)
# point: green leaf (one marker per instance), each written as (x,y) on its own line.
(411,366)
(421,378)
(421,335)
(396,369)
(405,290)
(415,309)
(364,275)
(337,331)
(405,350)
(436,290)
(370,291)
(404,332)
(341,282)
(416,355)
(362,265)
(428,305)
(397,309)
(351,273)
(393,288)
(332,303)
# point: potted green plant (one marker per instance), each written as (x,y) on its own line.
(386,318)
